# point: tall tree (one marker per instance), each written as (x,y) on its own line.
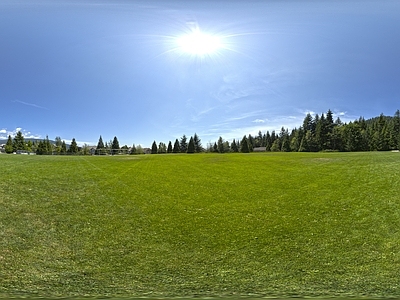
(73,148)
(183,144)
(220,145)
(197,144)
(100,149)
(244,146)
(154,148)
(176,147)
(19,142)
(48,146)
(115,145)
(9,145)
(234,146)
(191,147)
(63,147)
(162,148)
(169,148)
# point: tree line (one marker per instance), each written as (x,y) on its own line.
(318,133)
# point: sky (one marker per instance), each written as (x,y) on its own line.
(155,70)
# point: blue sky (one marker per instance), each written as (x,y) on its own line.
(81,69)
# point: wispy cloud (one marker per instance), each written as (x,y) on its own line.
(30,104)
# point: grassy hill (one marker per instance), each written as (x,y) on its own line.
(259,224)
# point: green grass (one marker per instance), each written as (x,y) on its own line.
(260,224)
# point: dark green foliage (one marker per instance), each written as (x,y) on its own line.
(176,147)
(9,145)
(197,144)
(191,147)
(115,145)
(154,148)
(244,145)
(183,144)
(19,142)
(162,148)
(100,144)
(73,148)
(234,146)
(63,147)
(169,148)
(220,145)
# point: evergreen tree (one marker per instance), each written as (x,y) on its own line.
(234,146)
(215,148)
(154,148)
(308,122)
(115,145)
(73,148)
(9,145)
(285,147)
(251,142)
(220,145)
(197,144)
(19,142)
(41,148)
(268,142)
(63,147)
(191,146)
(100,149)
(169,148)
(162,148)
(183,144)
(176,147)
(244,146)
(48,147)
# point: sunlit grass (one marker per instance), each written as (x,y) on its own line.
(272,224)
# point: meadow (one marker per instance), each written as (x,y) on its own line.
(202,225)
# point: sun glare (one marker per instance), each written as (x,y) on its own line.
(199,43)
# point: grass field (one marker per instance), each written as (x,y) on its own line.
(259,224)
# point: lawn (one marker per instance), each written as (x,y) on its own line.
(259,224)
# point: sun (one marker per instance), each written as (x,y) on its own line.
(199,43)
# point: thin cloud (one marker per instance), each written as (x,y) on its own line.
(30,104)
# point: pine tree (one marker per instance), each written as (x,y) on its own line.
(73,148)
(162,148)
(48,146)
(9,145)
(176,147)
(183,144)
(63,147)
(115,145)
(19,142)
(191,146)
(234,146)
(169,148)
(154,148)
(244,146)
(197,144)
(100,149)
(220,145)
